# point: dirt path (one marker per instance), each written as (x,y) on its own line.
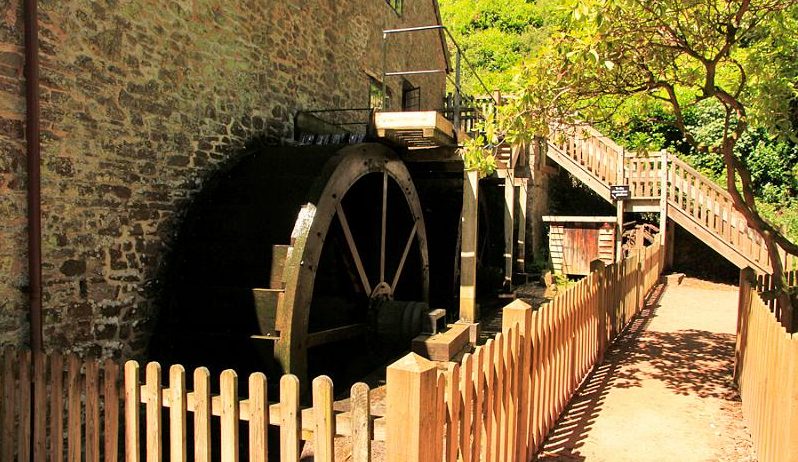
(665,391)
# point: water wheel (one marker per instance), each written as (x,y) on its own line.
(306,255)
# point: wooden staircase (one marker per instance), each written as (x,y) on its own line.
(660,181)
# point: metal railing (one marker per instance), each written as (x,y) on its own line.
(456,81)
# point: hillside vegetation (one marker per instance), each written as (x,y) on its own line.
(562,57)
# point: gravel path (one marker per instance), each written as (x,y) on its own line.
(665,391)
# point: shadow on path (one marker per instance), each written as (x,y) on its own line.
(568,435)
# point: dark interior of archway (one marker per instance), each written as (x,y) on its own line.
(225,244)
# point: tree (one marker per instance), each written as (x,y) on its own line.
(682,54)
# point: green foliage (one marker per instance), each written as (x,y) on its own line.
(478,155)
(478,152)
(496,35)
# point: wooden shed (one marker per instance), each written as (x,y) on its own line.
(576,241)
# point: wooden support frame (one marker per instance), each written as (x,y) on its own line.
(520,260)
(468,247)
(509,225)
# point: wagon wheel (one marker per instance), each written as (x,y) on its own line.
(357,247)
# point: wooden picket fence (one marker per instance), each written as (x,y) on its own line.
(195,413)
(766,372)
(82,409)
(65,406)
(499,403)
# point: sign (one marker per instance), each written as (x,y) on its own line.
(619,192)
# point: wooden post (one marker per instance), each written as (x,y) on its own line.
(361,423)
(619,209)
(619,231)
(520,259)
(519,313)
(747,278)
(539,205)
(132,403)
(597,268)
(669,245)
(663,201)
(410,411)
(468,247)
(509,221)
(792,423)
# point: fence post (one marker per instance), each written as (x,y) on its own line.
(792,423)
(747,278)
(597,267)
(410,411)
(641,293)
(519,313)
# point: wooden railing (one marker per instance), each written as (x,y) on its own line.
(712,208)
(596,153)
(500,402)
(696,203)
(766,372)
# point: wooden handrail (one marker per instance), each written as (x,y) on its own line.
(602,162)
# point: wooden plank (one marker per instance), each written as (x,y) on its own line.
(497,420)
(111,411)
(478,380)
(228,388)
(152,396)
(40,407)
(323,420)
(289,418)
(177,414)
(467,406)
(488,386)
(74,425)
(56,408)
(452,411)
(132,403)
(202,414)
(23,426)
(92,388)
(440,418)
(9,403)
(258,418)
(791,438)
(361,422)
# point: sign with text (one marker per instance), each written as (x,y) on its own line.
(619,192)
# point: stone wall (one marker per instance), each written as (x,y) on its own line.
(141,101)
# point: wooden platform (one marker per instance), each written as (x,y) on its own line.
(415,130)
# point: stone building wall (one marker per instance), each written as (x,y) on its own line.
(141,101)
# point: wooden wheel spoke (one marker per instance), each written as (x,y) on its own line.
(384,221)
(401,265)
(353,248)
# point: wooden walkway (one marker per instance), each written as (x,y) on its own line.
(665,391)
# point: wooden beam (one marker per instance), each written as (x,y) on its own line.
(468,247)
(443,346)
(335,334)
(509,222)
(520,260)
